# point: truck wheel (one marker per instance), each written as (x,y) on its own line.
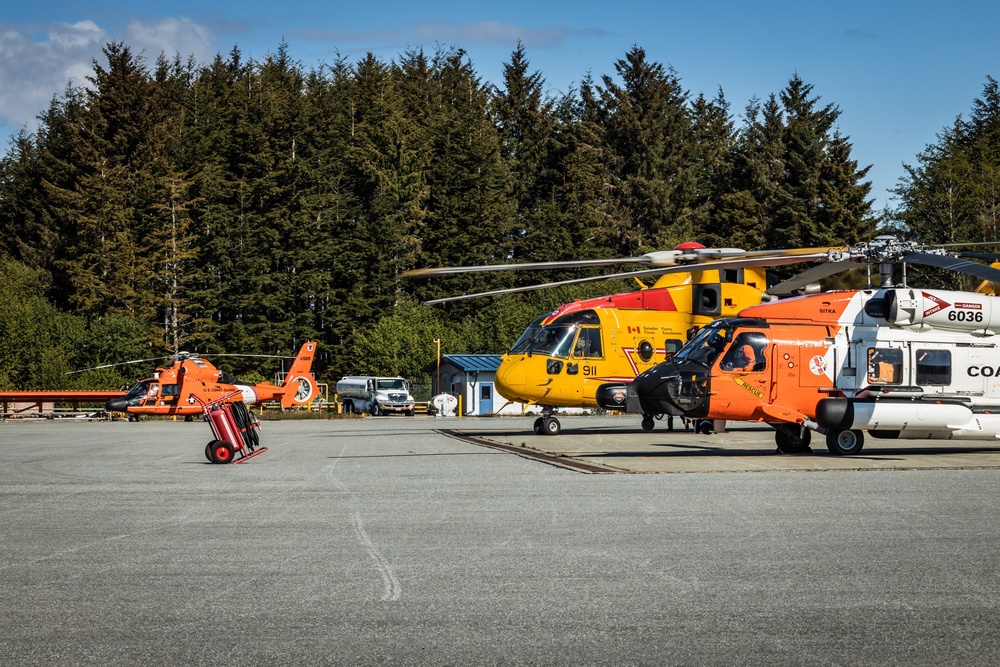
(376,411)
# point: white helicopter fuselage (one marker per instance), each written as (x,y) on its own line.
(909,363)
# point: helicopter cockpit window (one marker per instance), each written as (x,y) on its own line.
(529,336)
(707,344)
(933,367)
(588,343)
(885,365)
(746,353)
(671,346)
(555,341)
(138,390)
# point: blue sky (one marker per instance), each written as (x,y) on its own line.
(899,72)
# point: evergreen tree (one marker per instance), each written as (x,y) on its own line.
(713,142)
(105,264)
(524,120)
(648,130)
(469,209)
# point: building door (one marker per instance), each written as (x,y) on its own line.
(486,398)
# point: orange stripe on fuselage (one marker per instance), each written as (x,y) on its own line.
(825,308)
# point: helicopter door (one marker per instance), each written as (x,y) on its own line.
(799,370)
(744,377)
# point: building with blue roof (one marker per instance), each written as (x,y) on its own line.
(471,379)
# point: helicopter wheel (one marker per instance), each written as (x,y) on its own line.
(537,426)
(222,451)
(551,426)
(188,418)
(790,441)
(133,418)
(845,443)
(647,423)
(705,427)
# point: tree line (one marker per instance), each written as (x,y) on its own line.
(247,206)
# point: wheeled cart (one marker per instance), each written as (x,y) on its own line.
(235,430)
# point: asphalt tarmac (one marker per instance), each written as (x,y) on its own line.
(387,542)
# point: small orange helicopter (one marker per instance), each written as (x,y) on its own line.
(564,356)
(889,360)
(176,390)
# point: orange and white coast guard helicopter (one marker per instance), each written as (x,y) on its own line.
(564,356)
(895,361)
(176,390)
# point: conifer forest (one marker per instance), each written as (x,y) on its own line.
(244,206)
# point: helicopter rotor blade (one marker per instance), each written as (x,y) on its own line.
(120,363)
(992,256)
(258,356)
(708,266)
(883,250)
(975,269)
(661,258)
(800,280)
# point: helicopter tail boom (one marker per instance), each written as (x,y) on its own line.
(300,385)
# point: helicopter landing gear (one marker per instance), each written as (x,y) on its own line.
(845,443)
(659,417)
(547,425)
(647,422)
(133,418)
(792,439)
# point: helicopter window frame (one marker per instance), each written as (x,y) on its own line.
(932,367)
(710,340)
(885,365)
(556,341)
(588,343)
(737,361)
(530,335)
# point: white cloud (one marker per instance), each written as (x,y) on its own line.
(170,36)
(34,70)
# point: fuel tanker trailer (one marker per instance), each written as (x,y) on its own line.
(375,395)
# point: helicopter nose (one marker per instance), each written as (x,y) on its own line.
(670,386)
(116,405)
(511,378)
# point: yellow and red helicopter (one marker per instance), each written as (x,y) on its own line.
(564,356)
(177,389)
(890,360)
